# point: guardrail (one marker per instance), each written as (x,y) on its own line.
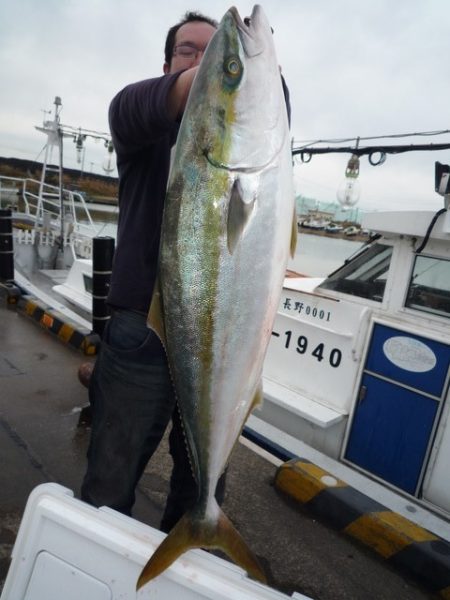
(42,199)
(40,206)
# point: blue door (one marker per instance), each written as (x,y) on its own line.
(403,383)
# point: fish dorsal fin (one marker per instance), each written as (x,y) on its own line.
(240,208)
(294,233)
(155,318)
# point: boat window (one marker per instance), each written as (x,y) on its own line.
(429,287)
(87,283)
(365,275)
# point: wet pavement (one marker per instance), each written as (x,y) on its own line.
(40,441)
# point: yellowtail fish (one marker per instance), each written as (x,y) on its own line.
(228,225)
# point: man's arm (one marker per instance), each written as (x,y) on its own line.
(144,111)
(179,92)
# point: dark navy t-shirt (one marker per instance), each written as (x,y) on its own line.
(143,135)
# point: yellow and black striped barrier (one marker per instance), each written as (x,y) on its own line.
(56,324)
(407,546)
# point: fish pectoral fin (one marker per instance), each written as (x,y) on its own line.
(190,532)
(155,317)
(294,233)
(239,212)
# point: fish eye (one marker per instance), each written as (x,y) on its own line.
(233,66)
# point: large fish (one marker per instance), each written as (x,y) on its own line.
(228,225)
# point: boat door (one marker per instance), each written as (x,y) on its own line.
(402,388)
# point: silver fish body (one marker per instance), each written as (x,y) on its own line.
(226,236)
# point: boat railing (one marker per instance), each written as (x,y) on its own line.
(39,199)
(42,207)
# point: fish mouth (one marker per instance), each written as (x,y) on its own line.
(250,29)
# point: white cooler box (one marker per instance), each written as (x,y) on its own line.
(66,549)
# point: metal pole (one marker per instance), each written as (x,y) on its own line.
(103,253)
(6,246)
(60,186)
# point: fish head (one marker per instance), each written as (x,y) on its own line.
(239,113)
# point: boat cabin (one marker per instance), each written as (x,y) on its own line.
(358,364)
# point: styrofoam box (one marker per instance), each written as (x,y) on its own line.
(68,549)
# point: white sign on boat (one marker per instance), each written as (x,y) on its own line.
(409,354)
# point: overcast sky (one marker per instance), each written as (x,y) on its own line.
(354,68)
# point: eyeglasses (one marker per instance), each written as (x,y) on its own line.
(187,50)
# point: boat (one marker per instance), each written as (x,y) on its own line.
(358,364)
(52,242)
(352,230)
(334,228)
(318,224)
(53,229)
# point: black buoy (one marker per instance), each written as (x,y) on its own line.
(6,246)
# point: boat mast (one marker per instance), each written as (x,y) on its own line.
(55,132)
(54,138)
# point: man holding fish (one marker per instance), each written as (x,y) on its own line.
(195,270)
(130,389)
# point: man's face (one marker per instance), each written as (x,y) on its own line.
(194,35)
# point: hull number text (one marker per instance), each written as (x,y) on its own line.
(302,346)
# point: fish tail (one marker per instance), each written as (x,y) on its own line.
(190,532)
(230,541)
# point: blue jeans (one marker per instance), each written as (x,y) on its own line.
(132,402)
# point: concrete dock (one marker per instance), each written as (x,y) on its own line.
(40,441)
